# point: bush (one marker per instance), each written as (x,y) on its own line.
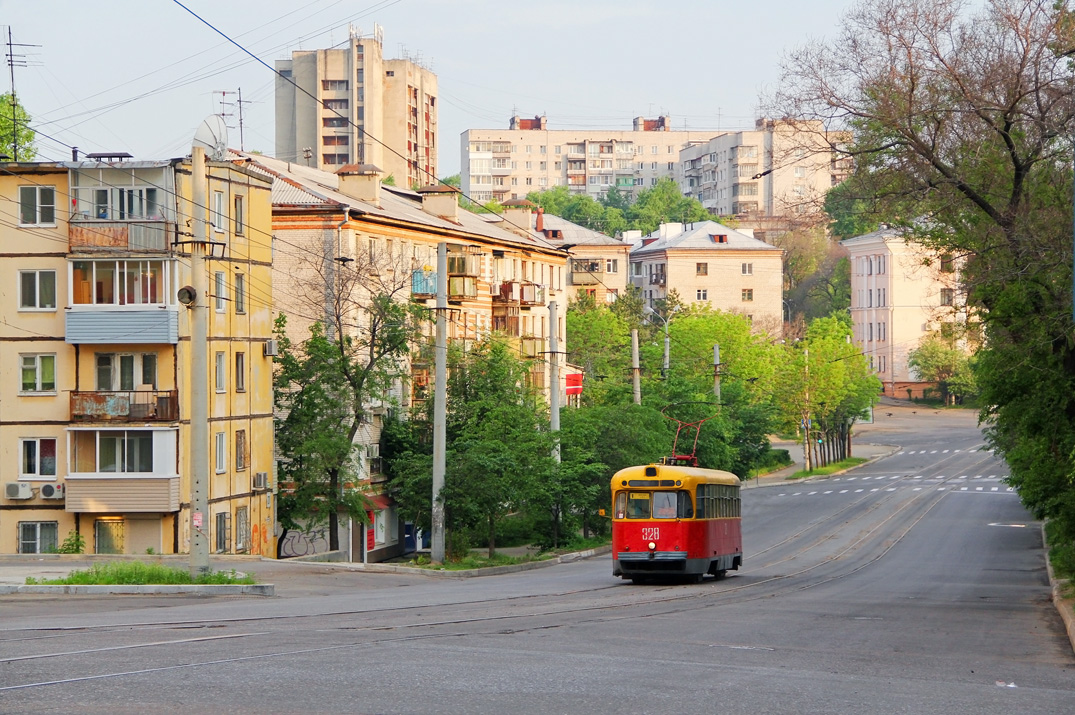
(75,543)
(139,573)
(1061,550)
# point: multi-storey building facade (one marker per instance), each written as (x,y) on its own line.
(345,231)
(772,177)
(95,385)
(900,292)
(711,264)
(505,164)
(350,105)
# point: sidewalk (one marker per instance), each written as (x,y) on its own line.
(867,450)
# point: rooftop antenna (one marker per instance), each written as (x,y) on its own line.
(13,61)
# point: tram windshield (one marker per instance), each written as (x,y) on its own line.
(654,505)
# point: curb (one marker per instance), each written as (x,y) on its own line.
(892,449)
(256,589)
(1064,604)
(466,573)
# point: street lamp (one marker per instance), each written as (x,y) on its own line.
(650,312)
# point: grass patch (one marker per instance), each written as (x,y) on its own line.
(831,468)
(139,573)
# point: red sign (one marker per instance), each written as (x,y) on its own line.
(370,543)
(196,519)
(574,383)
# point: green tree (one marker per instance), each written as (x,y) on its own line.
(939,360)
(663,203)
(600,342)
(16,136)
(983,149)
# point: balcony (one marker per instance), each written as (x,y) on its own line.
(507,292)
(423,284)
(586,271)
(125,406)
(462,287)
(532,347)
(467,263)
(118,494)
(95,325)
(506,319)
(532,294)
(657,279)
(131,236)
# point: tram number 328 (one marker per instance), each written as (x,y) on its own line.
(651,533)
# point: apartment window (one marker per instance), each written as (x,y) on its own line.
(37,290)
(240,293)
(37,537)
(333,84)
(37,205)
(653,181)
(800,171)
(653,150)
(653,165)
(869,298)
(112,451)
(223,521)
(514,181)
(529,165)
(218,211)
(701,269)
(240,449)
(881,363)
(221,371)
(335,104)
(556,149)
(38,372)
(242,528)
(748,295)
(748,269)
(240,372)
(333,122)
(529,149)
(612,265)
(37,458)
(529,181)
(869,265)
(221,452)
(880,331)
(240,216)
(121,282)
(880,265)
(334,158)
(336,140)
(542,166)
(671,165)
(869,332)
(947,264)
(702,294)
(881,297)
(220,290)
(948,296)
(124,372)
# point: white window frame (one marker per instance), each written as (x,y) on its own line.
(240,217)
(221,376)
(240,294)
(37,474)
(36,307)
(702,294)
(120,269)
(122,452)
(219,218)
(748,269)
(44,213)
(38,546)
(220,291)
(240,372)
(38,358)
(221,452)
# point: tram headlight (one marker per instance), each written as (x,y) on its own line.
(652,546)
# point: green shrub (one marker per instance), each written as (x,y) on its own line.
(139,573)
(75,543)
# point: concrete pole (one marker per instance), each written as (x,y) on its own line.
(635,370)
(807,461)
(554,381)
(440,403)
(199,371)
(667,343)
(716,372)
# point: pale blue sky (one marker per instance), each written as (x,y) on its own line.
(139,75)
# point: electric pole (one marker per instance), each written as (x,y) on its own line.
(199,367)
(634,367)
(554,381)
(440,399)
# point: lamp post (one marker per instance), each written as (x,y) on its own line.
(650,312)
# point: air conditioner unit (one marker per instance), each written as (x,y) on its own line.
(272,348)
(18,490)
(52,491)
(260,480)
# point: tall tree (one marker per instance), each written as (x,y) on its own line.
(664,203)
(16,136)
(964,113)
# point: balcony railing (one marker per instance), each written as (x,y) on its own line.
(657,279)
(532,294)
(507,292)
(121,235)
(423,283)
(125,406)
(465,264)
(460,287)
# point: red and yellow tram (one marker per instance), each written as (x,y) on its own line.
(675,521)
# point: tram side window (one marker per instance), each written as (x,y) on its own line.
(686,509)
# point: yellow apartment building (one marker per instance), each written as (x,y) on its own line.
(95,380)
(501,277)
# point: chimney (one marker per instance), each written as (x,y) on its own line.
(441,200)
(540,220)
(517,213)
(670,229)
(361,182)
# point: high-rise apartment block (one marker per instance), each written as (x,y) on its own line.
(505,164)
(351,106)
(778,170)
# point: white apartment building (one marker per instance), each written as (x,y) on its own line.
(352,106)
(900,291)
(708,263)
(778,170)
(505,164)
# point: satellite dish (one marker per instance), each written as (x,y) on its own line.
(212,136)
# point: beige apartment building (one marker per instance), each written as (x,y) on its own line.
(900,291)
(505,164)
(771,178)
(95,379)
(710,264)
(352,106)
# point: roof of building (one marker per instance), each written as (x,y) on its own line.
(572,233)
(882,234)
(297,185)
(698,236)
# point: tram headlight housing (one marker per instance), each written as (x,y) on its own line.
(652,546)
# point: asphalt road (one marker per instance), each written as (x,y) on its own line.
(913,585)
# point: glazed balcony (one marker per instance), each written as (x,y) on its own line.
(125,406)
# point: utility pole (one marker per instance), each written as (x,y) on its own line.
(199,370)
(716,372)
(13,61)
(635,370)
(440,401)
(807,461)
(554,381)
